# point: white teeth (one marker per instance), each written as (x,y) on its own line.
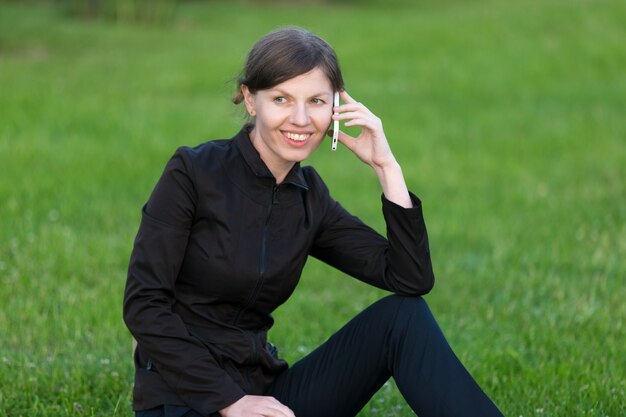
(297,137)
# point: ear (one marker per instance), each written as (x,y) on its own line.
(249,100)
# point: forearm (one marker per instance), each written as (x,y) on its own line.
(392,182)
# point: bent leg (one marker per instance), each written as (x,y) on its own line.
(426,370)
(396,336)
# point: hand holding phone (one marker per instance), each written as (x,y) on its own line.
(335,123)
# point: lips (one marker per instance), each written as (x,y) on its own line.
(297,137)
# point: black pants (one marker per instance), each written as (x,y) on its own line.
(395,337)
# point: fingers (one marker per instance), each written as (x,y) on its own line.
(349,102)
(278,408)
(346,115)
(261,406)
(346,97)
(347,140)
(356,113)
(355,106)
(357,118)
(271,407)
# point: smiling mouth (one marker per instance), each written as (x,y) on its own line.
(297,137)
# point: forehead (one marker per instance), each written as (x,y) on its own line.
(312,82)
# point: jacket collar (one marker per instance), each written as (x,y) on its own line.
(253,160)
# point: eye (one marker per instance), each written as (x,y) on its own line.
(317,101)
(280,100)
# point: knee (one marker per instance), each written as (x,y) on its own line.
(401,309)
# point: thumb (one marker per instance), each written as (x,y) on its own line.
(347,140)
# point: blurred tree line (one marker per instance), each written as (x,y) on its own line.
(158,11)
(146,11)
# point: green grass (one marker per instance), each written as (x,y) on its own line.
(508,119)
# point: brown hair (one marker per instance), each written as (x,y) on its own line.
(286,53)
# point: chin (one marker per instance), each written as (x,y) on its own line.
(298,156)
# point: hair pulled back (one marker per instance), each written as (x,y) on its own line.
(284,54)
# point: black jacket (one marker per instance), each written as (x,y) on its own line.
(220,246)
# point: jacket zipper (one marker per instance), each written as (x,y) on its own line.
(266,228)
(264,236)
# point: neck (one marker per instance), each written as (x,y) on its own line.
(278,167)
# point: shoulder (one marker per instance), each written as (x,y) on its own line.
(212,149)
(314,181)
(202,156)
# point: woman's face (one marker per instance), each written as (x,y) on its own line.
(292,119)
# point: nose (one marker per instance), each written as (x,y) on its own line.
(299,115)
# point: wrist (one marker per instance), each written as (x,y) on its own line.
(391,167)
(392,182)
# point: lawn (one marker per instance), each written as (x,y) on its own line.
(507,117)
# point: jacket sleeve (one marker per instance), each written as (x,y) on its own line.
(182,360)
(400,263)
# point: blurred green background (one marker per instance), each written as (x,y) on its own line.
(508,120)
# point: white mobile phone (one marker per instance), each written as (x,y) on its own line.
(335,123)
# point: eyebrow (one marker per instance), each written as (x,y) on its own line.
(284,93)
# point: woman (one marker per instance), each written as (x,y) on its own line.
(222,243)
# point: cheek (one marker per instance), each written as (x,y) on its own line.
(322,117)
(270,119)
